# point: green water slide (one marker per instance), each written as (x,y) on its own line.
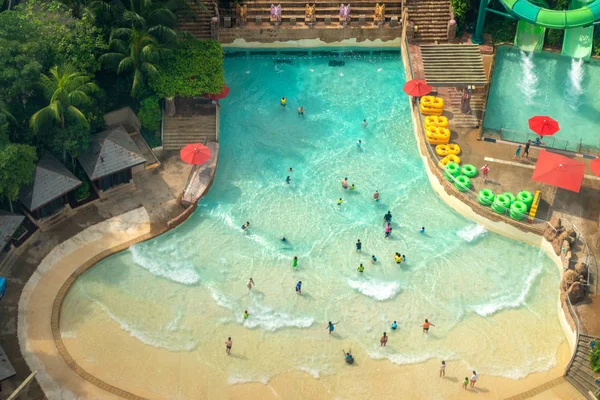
(529,37)
(554,19)
(578,41)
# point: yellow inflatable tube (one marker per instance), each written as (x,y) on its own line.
(453,149)
(430,110)
(447,159)
(437,135)
(436,120)
(433,102)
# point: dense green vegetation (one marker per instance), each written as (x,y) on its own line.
(64,64)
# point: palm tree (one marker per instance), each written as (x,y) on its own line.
(66,90)
(134,51)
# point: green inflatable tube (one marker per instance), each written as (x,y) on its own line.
(526,197)
(501,204)
(485,197)
(510,196)
(469,170)
(462,183)
(554,19)
(518,210)
(451,171)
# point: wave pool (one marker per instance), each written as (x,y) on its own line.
(180,295)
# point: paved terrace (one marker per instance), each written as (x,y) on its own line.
(158,190)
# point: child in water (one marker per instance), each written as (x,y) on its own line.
(300,110)
(398,258)
(246,315)
(376,197)
(295,262)
(340,201)
(361,268)
(283,101)
(352,187)
(288,179)
(422,230)
(246,226)
(359,143)
(373,259)
(394,326)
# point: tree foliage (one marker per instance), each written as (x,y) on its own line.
(17,162)
(194,68)
(66,89)
(149,113)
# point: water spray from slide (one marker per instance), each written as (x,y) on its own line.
(574,85)
(529,83)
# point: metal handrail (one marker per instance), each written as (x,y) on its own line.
(552,143)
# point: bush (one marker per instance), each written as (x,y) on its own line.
(501,29)
(595,359)
(461,8)
(149,113)
(151,137)
(194,68)
(554,37)
(83,191)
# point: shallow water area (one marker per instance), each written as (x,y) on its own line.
(174,300)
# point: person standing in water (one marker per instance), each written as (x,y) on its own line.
(364,123)
(376,196)
(383,340)
(288,179)
(373,259)
(246,315)
(443,369)
(422,230)
(387,217)
(300,110)
(299,287)
(394,326)
(290,169)
(352,187)
(361,269)
(358,245)
(283,101)
(250,284)
(345,183)
(426,326)
(295,262)
(388,229)
(246,226)
(331,326)
(340,201)
(228,344)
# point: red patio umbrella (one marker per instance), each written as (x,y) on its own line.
(417,88)
(224,92)
(595,166)
(195,153)
(543,125)
(560,171)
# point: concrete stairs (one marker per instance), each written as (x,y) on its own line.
(295,9)
(197,20)
(579,373)
(47,223)
(430,18)
(181,130)
(463,120)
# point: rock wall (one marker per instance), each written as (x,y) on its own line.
(269,34)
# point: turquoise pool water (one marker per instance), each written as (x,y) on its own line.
(493,300)
(528,84)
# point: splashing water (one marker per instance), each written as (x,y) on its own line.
(529,81)
(574,88)
(471,233)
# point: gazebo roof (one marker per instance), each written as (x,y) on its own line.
(51,179)
(453,65)
(9,223)
(110,151)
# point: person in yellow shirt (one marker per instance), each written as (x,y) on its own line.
(283,101)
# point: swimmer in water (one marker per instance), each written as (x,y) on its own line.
(387,217)
(290,169)
(288,179)
(299,287)
(359,143)
(388,229)
(283,101)
(394,326)
(361,269)
(340,201)
(345,183)
(376,196)
(383,340)
(422,230)
(364,123)
(358,245)
(295,262)
(403,258)
(426,326)
(373,259)
(246,315)
(246,226)
(283,239)
(300,110)
(250,284)
(331,326)
(352,187)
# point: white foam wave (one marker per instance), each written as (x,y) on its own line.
(403,359)
(237,379)
(379,290)
(158,338)
(471,233)
(311,371)
(529,81)
(510,301)
(522,370)
(166,267)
